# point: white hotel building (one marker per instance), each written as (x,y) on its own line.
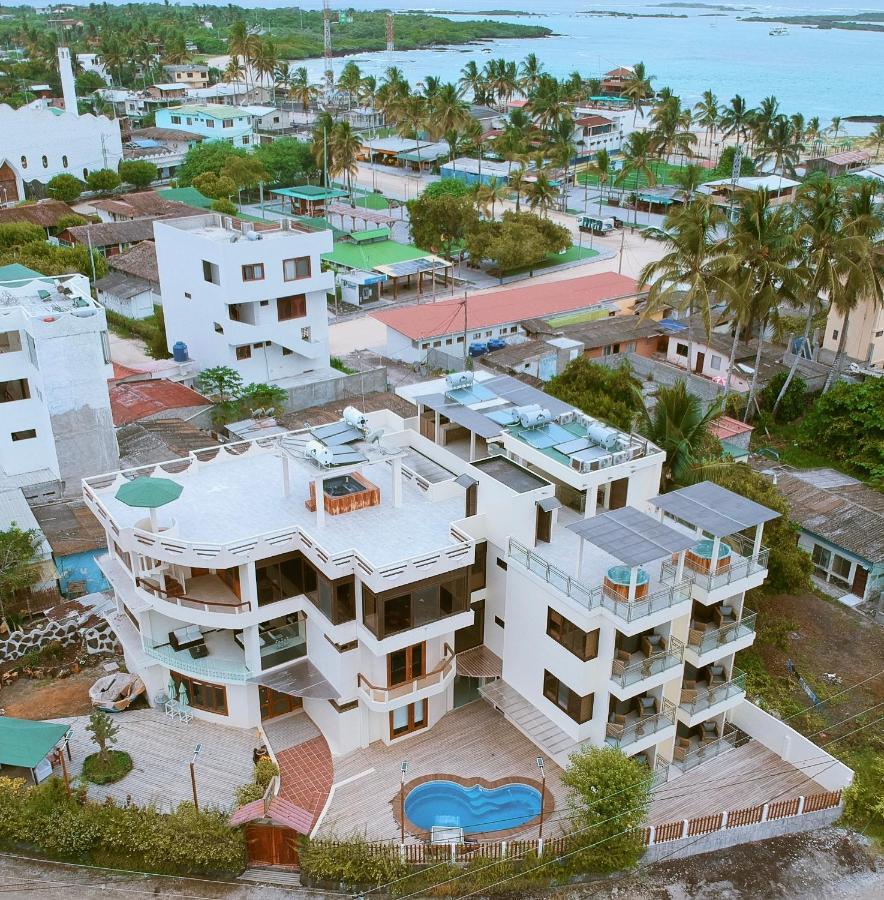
(245,296)
(499,544)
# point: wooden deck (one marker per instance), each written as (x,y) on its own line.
(161,751)
(746,776)
(479,662)
(473,741)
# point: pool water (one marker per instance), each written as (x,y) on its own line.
(703,549)
(475,809)
(620,575)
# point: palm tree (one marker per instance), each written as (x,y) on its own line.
(489,195)
(431,86)
(471,79)
(877,138)
(349,81)
(301,90)
(549,105)
(232,71)
(763,120)
(827,255)
(796,123)
(518,182)
(242,45)
(367,91)
(447,111)
(761,265)
(707,114)
(282,78)
(864,222)
(689,178)
(691,274)
(529,73)
(834,127)
(780,147)
(638,154)
(344,148)
(265,62)
(541,193)
(679,426)
(736,118)
(413,117)
(671,127)
(637,89)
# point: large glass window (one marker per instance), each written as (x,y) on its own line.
(578,707)
(477,569)
(17,389)
(409,718)
(583,644)
(281,577)
(417,604)
(202,694)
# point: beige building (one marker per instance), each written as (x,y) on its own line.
(865,334)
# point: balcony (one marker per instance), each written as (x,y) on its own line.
(601,597)
(224,660)
(633,727)
(207,593)
(704,744)
(631,668)
(698,699)
(737,562)
(732,636)
(386,698)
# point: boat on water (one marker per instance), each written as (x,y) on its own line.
(116,692)
(779,31)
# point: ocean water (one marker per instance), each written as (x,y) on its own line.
(816,72)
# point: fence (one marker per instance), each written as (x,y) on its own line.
(420,854)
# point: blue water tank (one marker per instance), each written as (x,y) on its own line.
(478,348)
(179,351)
(496,344)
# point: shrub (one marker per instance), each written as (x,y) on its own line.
(138,172)
(265,771)
(612,395)
(118,764)
(794,401)
(337,363)
(102,180)
(352,862)
(224,206)
(64,187)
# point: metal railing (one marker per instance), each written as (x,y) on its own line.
(180,661)
(661,772)
(379,694)
(688,759)
(742,564)
(704,641)
(706,697)
(151,587)
(601,596)
(625,674)
(623,735)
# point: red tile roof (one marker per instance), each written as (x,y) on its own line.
(487,310)
(278,810)
(134,400)
(726,427)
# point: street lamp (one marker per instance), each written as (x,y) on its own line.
(404,769)
(196,752)
(542,794)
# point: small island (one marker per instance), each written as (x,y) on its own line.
(868,21)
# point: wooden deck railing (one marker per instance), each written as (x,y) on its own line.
(214,606)
(383,694)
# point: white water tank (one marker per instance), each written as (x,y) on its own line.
(604,436)
(458,380)
(534,418)
(354,417)
(317,451)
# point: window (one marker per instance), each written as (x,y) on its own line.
(227,123)
(25,435)
(210,123)
(245,139)
(583,644)
(202,694)
(176,120)
(291,574)
(187,296)
(24,162)
(460,339)
(244,352)
(408,718)
(821,557)
(305,333)
(489,333)
(64,161)
(501,564)
(211,273)
(218,328)
(840,566)
(578,707)
(45,161)
(17,389)
(514,329)
(681,350)
(448,342)
(499,622)
(264,303)
(715,363)
(294,307)
(879,334)
(105,348)
(10,341)
(835,334)
(425,345)
(477,569)
(287,352)
(253,272)
(406,664)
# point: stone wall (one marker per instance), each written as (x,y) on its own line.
(95,637)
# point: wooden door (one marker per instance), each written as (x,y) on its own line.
(860,579)
(272,845)
(701,361)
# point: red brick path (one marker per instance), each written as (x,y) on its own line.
(306,774)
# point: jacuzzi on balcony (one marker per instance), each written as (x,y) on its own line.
(344,493)
(699,557)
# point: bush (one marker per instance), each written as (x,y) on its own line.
(265,771)
(794,401)
(337,363)
(352,862)
(224,206)
(102,180)
(98,772)
(612,395)
(187,841)
(138,172)
(65,188)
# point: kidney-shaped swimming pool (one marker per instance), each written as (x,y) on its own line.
(475,809)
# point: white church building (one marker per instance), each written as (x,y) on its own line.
(41,141)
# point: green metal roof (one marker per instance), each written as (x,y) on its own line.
(371,234)
(17,272)
(26,743)
(310,192)
(372,255)
(189,195)
(213,111)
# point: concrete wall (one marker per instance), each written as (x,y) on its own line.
(663,373)
(316,393)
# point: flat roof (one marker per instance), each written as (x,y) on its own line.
(26,743)
(713,508)
(485,310)
(632,536)
(507,472)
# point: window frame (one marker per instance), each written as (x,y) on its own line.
(578,707)
(252,269)
(583,644)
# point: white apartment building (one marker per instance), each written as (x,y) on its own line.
(54,366)
(499,545)
(245,296)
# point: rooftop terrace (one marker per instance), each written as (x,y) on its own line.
(43,296)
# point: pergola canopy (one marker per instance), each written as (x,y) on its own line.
(27,743)
(714,509)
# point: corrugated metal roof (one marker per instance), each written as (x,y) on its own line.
(715,509)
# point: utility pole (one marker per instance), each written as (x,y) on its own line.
(622,244)
(735,175)
(465,329)
(327,46)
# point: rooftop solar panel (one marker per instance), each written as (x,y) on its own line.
(713,508)
(588,454)
(344,456)
(573,446)
(538,438)
(503,416)
(474,394)
(335,433)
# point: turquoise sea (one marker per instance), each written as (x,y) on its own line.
(816,72)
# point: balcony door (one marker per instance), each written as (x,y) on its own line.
(407,719)
(406,664)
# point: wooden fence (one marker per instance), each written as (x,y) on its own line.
(420,854)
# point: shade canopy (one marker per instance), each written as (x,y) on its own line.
(149,493)
(298,679)
(714,509)
(632,536)
(26,743)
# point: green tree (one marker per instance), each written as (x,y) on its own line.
(49,260)
(447,187)
(610,394)
(519,240)
(216,187)
(267,397)
(246,172)
(794,402)
(64,187)
(849,422)
(637,89)
(206,157)
(608,794)
(679,425)
(102,180)
(638,154)
(344,148)
(15,234)
(438,223)
(789,566)
(19,562)
(138,172)
(88,83)
(224,206)
(287,161)
(541,193)
(220,383)
(104,733)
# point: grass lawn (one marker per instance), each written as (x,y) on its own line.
(821,636)
(118,765)
(664,171)
(573,254)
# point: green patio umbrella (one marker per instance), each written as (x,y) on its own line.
(149,493)
(183,699)
(171,690)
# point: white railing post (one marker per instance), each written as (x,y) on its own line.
(800,811)
(652,831)
(402,853)
(684,828)
(764,811)
(540,846)
(453,852)
(723,821)
(503,849)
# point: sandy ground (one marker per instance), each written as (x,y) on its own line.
(828,865)
(49,698)
(127,351)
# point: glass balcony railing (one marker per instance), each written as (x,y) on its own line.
(701,641)
(695,700)
(208,668)
(686,758)
(740,564)
(625,674)
(635,729)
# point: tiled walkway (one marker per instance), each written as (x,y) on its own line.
(305,764)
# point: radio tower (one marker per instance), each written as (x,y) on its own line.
(390,34)
(327,45)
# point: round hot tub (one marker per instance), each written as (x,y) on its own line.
(617,581)
(473,808)
(699,557)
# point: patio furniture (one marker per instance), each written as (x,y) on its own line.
(696,633)
(198,651)
(708,732)
(178,712)
(621,661)
(724,615)
(682,748)
(186,637)
(616,725)
(715,676)
(645,706)
(652,643)
(688,690)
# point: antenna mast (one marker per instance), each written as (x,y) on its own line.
(327,45)
(390,33)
